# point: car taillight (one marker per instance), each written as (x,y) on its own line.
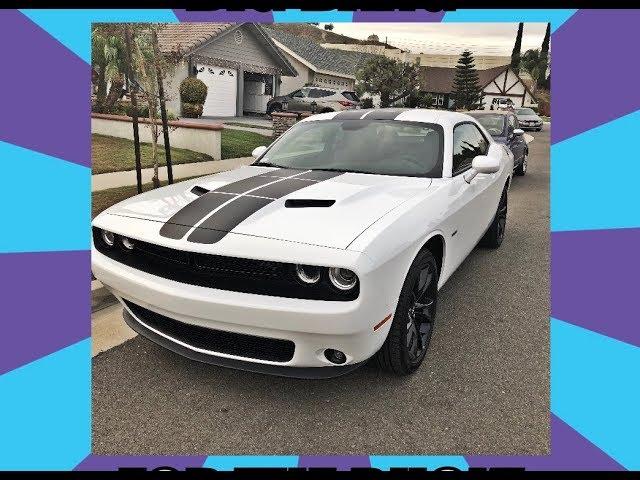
(346,103)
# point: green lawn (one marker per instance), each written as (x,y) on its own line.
(250,125)
(111,154)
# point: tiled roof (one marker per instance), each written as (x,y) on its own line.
(182,37)
(440,79)
(338,61)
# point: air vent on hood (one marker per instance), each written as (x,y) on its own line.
(199,190)
(306,203)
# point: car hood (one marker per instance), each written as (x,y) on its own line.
(529,118)
(329,212)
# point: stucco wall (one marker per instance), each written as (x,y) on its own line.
(196,137)
(289,84)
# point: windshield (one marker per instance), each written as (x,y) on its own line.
(364,146)
(525,111)
(494,124)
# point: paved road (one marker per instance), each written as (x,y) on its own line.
(482,389)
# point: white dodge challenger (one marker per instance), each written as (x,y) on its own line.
(326,251)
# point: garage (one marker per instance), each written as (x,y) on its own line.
(222,86)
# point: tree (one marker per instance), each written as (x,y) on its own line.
(108,59)
(467,91)
(328,26)
(544,57)
(391,79)
(515,53)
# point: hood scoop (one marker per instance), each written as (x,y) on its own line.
(198,190)
(307,203)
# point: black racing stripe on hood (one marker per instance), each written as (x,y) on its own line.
(182,221)
(202,206)
(224,220)
(319,175)
(386,114)
(214,228)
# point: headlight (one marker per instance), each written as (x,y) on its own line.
(108,238)
(308,273)
(127,243)
(342,278)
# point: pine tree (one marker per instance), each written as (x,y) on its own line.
(467,91)
(544,57)
(515,53)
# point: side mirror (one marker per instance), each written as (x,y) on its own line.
(482,164)
(518,131)
(258,151)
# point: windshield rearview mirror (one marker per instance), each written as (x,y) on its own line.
(258,151)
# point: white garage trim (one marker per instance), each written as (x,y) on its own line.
(222,85)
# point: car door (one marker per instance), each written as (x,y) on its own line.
(472,202)
(516,143)
(296,102)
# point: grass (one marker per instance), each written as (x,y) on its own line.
(111,154)
(250,125)
(103,199)
(240,143)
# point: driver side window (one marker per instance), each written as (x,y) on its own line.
(297,94)
(468,143)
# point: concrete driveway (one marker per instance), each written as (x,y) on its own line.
(483,389)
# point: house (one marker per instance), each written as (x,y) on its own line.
(315,64)
(239,63)
(496,82)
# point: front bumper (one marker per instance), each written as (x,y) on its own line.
(531,126)
(312,325)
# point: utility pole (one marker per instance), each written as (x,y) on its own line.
(132,87)
(163,106)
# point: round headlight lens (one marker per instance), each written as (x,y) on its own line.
(308,273)
(108,237)
(342,278)
(127,243)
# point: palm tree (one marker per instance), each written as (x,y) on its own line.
(108,60)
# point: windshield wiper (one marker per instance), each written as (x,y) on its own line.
(268,164)
(344,170)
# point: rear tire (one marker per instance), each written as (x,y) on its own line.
(495,234)
(409,338)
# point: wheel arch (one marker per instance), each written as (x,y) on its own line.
(436,244)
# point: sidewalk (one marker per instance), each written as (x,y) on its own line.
(121,179)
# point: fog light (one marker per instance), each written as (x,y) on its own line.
(342,278)
(108,238)
(127,243)
(335,356)
(308,273)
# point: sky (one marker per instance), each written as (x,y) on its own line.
(448,38)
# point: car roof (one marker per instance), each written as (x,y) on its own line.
(440,117)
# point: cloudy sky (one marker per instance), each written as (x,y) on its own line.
(451,38)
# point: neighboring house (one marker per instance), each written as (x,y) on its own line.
(239,63)
(316,65)
(496,82)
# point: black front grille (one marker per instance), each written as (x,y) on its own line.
(230,343)
(222,272)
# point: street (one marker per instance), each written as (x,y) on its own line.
(483,388)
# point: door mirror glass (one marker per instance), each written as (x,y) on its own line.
(258,151)
(518,131)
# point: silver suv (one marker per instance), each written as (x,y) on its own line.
(314,100)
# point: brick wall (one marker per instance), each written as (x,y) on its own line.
(282,121)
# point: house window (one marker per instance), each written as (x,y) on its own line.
(238,36)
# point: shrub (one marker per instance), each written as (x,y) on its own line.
(367,102)
(193,90)
(191,110)
(143,110)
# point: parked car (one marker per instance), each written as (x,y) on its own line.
(528,119)
(326,251)
(314,99)
(504,128)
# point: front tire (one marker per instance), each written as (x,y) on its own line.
(522,168)
(412,327)
(495,234)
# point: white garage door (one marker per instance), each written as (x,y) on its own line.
(222,84)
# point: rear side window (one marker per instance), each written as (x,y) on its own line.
(468,143)
(351,96)
(320,92)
